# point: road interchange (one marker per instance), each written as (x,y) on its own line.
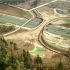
(39,28)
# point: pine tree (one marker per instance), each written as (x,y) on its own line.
(27,60)
(3,53)
(13,62)
(38,63)
(60,66)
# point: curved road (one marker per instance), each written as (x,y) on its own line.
(44,43)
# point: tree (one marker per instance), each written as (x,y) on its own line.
(38,63)
(3,42)
(27,60)
(13,62)
(68,53)
(13,45)
(60,66)
(3,53)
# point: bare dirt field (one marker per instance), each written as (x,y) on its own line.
(13,11)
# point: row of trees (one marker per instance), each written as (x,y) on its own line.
(5,29)
(13,58)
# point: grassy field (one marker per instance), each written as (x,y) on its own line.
(33,23)
(38,51)
(58,30)
(67,21)
(10,19)
(66,25)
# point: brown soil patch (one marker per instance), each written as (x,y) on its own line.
(12,11)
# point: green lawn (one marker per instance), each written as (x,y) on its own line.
(38,51)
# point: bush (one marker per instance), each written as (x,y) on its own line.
(5,29)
